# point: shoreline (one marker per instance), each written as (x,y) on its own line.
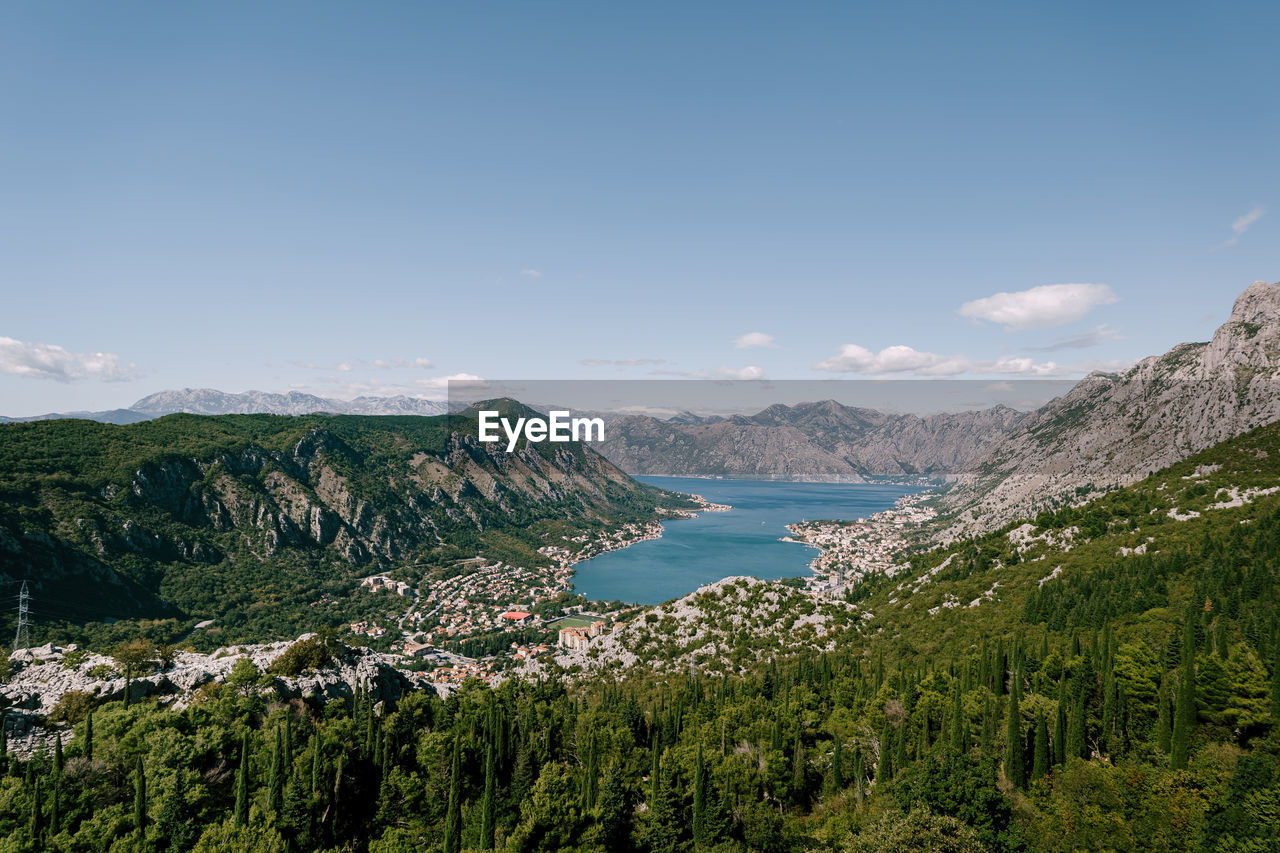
(849,551)
(646,531)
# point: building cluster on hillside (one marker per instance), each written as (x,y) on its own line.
(459,672)
(852,550)
(485,598)
(368,629)
(384,583)
(578,637)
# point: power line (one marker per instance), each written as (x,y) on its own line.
(22,639)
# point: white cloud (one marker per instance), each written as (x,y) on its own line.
(755,340)
(895,359)
(1042,307)
(1242,224)
(531,273)
(748,372)
(905,361)
(469,380)
(50,361)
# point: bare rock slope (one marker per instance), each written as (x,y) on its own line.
(1112,429)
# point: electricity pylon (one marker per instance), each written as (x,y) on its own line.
(22,639)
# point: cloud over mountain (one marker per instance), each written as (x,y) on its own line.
(1043,307)
(50,361)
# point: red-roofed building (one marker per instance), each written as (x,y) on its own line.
(519,617)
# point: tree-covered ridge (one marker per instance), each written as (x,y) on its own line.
(265,522)
(1128,702)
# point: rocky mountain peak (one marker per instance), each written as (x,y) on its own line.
(1251,338)
(1258,304)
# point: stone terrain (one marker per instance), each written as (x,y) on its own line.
(43,675)
(1113,429)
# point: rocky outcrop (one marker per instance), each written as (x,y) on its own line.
(1112,429)
(43,675)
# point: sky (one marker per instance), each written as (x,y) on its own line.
(354,199)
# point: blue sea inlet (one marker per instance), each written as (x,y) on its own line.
(715,545)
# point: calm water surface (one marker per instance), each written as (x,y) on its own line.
(715,545)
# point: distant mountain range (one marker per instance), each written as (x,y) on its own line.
(208,401)
(821,442)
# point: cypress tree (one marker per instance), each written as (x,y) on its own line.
(1164,731)
(488,806)
(57,756)
(1184,713)
(699,800)
(799,792)
(859,777)
(1075,727)
(655,770)
(1060,734)
(242,784)
(1040,764)
(315,766)
(885,768)
(35,825)
(988,727)
(4,741)
(900,752)
(957,723)
(591,780)
(275,782)
(55,816)
(88,736)
(453,813)
(1013,766)
(140,800)
(1109,726)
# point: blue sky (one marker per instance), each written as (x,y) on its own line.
(353,199)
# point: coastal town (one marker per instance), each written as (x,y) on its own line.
(494,597)
(851,550)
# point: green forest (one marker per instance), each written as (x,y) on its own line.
(266,523)
(1118,691)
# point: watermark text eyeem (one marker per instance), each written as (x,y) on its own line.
(559,427)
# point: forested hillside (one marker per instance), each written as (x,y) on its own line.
(1103,678)
(265,523)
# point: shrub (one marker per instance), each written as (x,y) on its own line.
(311,653)
(72,707)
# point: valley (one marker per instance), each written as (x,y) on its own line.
(344,630)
